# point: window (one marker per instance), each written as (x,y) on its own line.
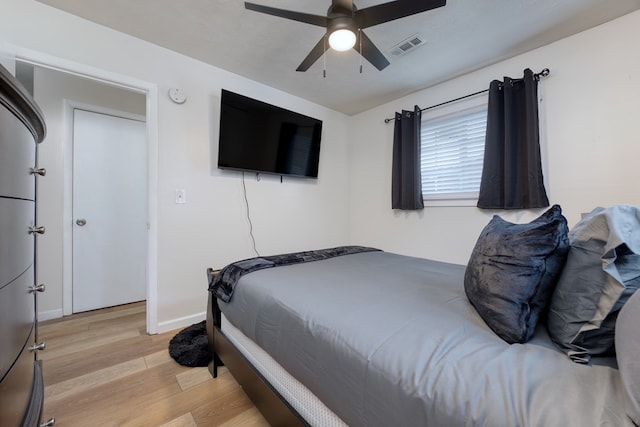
(452,151)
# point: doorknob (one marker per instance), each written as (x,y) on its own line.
(81,222)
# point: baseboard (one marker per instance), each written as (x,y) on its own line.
(181,322)
(49,315)
(166,326)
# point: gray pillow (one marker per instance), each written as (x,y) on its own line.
(512,271)
(627,339)
(601,273)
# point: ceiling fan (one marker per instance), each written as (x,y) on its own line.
(344,23)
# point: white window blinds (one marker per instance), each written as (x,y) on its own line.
(452,151)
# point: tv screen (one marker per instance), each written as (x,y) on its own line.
(260,137)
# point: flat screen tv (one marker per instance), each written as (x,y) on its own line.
(260,137)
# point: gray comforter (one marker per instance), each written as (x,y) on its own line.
(389,340)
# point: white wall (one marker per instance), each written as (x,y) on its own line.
(211,229)
(590,147)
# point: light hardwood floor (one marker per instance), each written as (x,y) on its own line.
(102,369)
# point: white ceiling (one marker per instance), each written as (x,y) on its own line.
(461,37)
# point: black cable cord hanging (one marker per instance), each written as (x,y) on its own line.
(544,73)
(246,202)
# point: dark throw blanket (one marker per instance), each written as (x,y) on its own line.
(223,284)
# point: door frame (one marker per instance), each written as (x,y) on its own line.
(152,98)
(68,217)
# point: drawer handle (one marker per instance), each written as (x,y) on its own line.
(39,230)
(38,347)
(50,422)
(38,171)
(37,288)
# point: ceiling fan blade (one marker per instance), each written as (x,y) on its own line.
(342,6)
(371,53)
(307,18)
(313,56)
(386,12)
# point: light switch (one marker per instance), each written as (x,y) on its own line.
(181,196)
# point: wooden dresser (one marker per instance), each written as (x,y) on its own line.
(22,128)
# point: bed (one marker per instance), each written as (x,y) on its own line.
(372,338)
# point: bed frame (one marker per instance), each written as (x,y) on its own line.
(276,410)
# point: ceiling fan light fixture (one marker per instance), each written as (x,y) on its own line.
(344,23)
(342,39)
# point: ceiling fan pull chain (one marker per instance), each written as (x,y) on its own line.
(360,38)
(324,58)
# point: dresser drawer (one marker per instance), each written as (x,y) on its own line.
(16,244)
(18,150)
(15,390)
(16,318)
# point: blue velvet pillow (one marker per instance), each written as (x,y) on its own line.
(512,272)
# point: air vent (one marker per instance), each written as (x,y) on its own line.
(407,45)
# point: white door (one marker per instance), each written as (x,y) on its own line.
(109,210)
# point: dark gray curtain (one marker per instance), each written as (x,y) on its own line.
(406,179)
(512,171)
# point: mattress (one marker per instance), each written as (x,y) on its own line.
(299,397)
(384,339)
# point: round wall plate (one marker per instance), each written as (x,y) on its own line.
(177,96)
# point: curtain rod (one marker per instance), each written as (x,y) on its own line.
(544,73)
